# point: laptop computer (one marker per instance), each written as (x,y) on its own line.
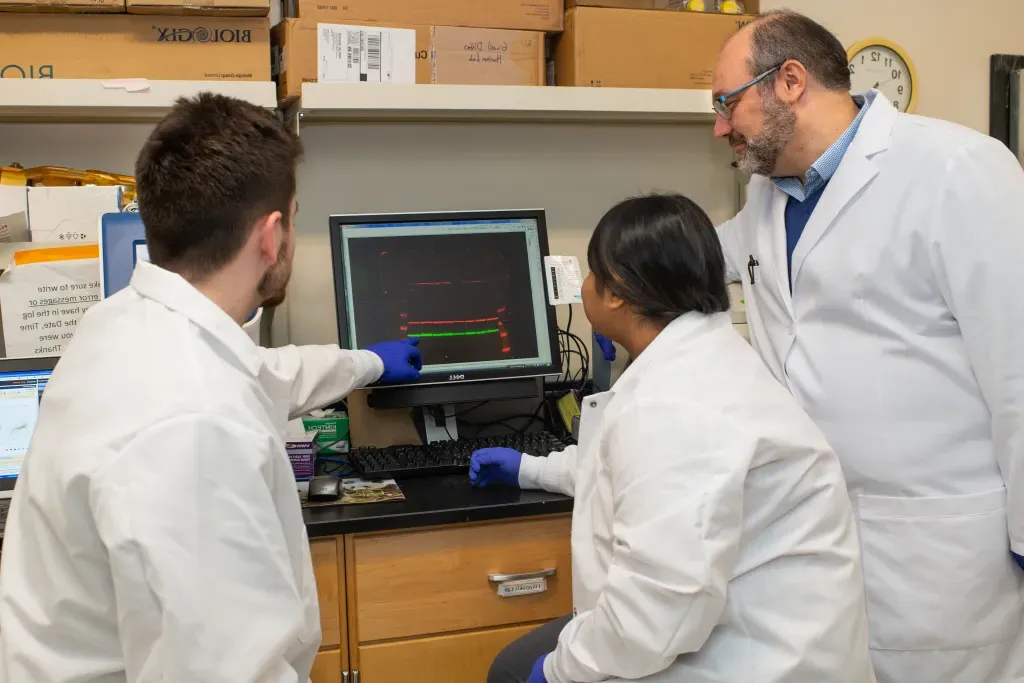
(22,382)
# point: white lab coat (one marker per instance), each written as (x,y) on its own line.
(903,340)
(155,533)
(712,537)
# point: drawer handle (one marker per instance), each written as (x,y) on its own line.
(502,578)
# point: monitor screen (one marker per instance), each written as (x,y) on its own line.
(122,245)
(20,393)
(469,286)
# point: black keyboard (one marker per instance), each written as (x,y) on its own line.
(443,457)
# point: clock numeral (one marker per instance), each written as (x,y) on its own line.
(900,90)
(875,56)
(897,73)
(896,104)
(851,68)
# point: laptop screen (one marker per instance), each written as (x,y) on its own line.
(20,393)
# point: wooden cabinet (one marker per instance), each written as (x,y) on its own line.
(421,604)
(457,657)
(436,581)
(327,667)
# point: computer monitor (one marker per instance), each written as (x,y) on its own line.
(122,245)
(469,285)
(22,381)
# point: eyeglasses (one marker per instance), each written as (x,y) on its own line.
(720,105)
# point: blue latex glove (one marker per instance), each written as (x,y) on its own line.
(537,675)
(402,360)
(495,466)
(607,347)
(1020,560)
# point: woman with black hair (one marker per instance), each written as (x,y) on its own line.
(712,536)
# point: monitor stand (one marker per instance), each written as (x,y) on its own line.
(439,423)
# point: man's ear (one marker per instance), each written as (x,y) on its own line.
(791,82)
(270,231)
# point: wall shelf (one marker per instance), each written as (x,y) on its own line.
(112,101)
(326,103)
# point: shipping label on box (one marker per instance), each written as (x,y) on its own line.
(43,295)
(70,214)
(361,54)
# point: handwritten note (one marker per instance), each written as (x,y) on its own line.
(42,303)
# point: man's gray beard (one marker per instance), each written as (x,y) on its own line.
(778,124)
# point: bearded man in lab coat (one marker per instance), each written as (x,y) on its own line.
(156,532)
(880,257)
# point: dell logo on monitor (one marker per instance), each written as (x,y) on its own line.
(455,378)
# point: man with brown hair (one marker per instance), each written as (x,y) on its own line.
(156,532)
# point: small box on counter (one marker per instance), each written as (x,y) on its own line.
(435,54)
(223,8)
(527,15)
(635,48)
(301,452)
(126,46)
(63,6)
(749,6)
(331,431)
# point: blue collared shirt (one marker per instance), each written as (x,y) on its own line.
(804,196)
(825,167)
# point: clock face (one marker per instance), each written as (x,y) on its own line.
(882,68)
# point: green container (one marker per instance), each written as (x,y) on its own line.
(331,432)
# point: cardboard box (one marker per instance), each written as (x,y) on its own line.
(528,15)
(125,46)
(59,6)
(331,432)
(70,215)
(13,213)
(622,48)
(444,54)
(223,8)
(750,6)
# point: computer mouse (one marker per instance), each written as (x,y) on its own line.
(324,489)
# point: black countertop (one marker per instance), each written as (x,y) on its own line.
(431,501)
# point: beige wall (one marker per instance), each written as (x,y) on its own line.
(953,80)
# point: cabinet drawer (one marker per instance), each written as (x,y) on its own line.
(436,581)
(457,658)
(326,572)
(326,667)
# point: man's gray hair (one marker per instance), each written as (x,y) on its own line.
(781,35)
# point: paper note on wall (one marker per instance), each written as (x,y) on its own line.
(360,54)
(43,295)
(564,280)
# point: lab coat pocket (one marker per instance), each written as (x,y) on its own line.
(937,571)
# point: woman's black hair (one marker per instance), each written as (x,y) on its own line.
(661,255)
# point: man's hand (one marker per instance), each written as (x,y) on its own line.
(537,675)
(495,465)
(402,360)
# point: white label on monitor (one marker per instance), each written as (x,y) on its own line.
(564,281)
(141,253)
(361,54)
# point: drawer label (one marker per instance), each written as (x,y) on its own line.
(512,589)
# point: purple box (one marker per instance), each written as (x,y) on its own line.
(302,453)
